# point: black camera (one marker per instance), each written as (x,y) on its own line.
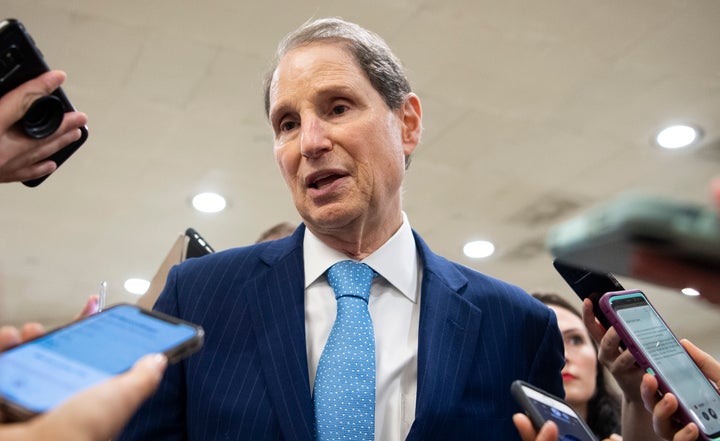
(21,61)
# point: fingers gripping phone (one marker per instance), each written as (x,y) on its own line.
(21,61)
(540,406)
(40,374)
(658,351)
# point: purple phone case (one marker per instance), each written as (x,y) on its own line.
(683,414)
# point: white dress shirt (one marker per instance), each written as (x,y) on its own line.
(395,311)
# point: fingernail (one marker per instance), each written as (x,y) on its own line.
(159,362)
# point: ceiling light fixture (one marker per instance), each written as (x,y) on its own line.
(678,136)
(479,249)
(690,292)
(136,286)
(209,202)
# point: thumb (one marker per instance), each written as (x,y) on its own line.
(19,100)
(101,412)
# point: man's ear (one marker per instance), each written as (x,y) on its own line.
(411,120)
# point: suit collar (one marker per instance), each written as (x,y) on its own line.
(390,260)
(279,325)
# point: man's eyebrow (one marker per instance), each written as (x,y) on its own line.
(323,92)
(338,89)
(277,111)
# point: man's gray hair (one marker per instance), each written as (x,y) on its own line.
(373,55)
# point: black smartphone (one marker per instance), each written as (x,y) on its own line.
(38,375)
(588,284)
(21,61)
(197,246)
(658,351)
(541,406)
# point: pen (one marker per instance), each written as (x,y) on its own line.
(102,294)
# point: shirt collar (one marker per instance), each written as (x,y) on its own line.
(391,260)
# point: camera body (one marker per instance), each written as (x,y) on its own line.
(21,61)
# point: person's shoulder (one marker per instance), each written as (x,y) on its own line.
(248,257)
(223,258)
(490,285)
(476,282)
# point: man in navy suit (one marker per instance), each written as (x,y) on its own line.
(448,340)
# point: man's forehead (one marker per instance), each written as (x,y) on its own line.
(315,68)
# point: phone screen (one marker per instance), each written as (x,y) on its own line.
(40,374)
(570,427)
(670,360)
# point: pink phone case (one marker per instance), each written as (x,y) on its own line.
(683,413)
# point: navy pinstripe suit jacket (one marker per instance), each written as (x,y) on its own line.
(250,380)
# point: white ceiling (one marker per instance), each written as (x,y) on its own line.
(533,111)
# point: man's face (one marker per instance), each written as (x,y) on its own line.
(339,147)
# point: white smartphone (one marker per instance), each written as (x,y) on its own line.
(541,406)
(658,351)
(38,375)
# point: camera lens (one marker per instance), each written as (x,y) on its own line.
(43,117)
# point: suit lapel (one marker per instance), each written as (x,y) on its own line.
(446,343)
(279,324)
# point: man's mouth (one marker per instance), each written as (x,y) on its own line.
(321,180)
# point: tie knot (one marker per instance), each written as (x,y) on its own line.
(349,278)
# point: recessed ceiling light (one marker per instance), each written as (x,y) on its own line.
(209,202)
(677,136)
(136,286)
(479,249)
(690,292)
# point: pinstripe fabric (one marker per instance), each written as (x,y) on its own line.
(250,380)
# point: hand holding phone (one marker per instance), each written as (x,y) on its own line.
(38,375)
(541,406)
(98,413)
(20,62)
(588,284)
(658,351)
(665,425)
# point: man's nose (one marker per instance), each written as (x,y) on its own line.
(314,137)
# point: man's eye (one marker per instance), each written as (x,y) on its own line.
(287,125)
(339,110)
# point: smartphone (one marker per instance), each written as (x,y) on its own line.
(197,246)
(541,406)
(588,284)
(38,375)
(659,352)
(607,237)
(21,61)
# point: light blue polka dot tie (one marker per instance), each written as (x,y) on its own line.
(344,394)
